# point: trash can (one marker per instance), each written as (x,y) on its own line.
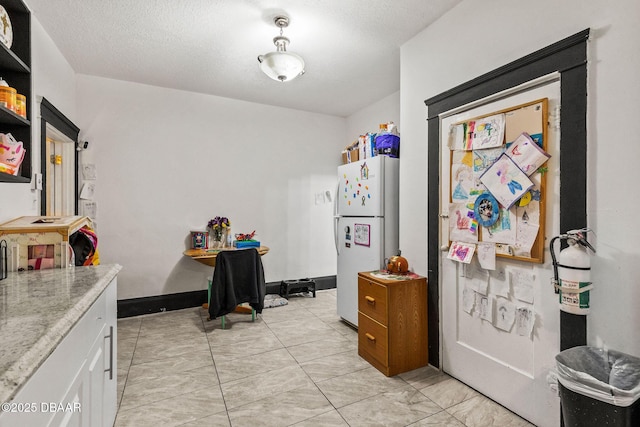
(598,387)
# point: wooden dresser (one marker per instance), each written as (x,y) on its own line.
(392,322)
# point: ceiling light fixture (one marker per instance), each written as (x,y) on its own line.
(281,65)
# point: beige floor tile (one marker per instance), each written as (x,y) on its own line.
(328,419)
(216,420)
(424,377)
(304,331)
(322,348)
(398,407)
(260,344)
(441,419)
(166,349)
(480,411)
(235,369)
(144,392)
(285,313)
(449,392)
(169,366)
(281,409)
(334,365)
(190,406)
(257,387)
(350,388)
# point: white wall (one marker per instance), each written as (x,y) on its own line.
(53,78)
(168,161)
(369,118)
(453,50)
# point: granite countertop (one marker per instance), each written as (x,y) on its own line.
(37,310)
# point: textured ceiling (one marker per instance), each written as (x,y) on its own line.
(351,47)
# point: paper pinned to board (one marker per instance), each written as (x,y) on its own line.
(457,137)
(88,190)
(498,283)
(488,132)
(506,181)
(503,230)
(468,300)
(484,306)
(523,282)
(525,320)
(527,226)
(487,255)
(527,154)
(461,222)
(505,314)
(461,176)
(461,252)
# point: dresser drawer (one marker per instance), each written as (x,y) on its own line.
(372,340)
(372,300)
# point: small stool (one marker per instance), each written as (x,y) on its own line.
(294,286)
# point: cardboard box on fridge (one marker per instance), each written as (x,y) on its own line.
(350,156)
(350,153)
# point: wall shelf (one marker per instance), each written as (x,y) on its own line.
(15,69)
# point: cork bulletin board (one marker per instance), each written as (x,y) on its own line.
(497,181)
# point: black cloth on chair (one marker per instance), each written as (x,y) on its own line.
(238,277)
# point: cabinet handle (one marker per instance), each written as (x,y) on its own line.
(110,336)
(370,337)
(370,300)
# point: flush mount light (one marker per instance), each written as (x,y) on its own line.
(281,65)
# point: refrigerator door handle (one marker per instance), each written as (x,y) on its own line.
(335,234)
(335,217)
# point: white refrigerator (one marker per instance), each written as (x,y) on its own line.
(365,225)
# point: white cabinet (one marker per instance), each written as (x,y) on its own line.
(76,385)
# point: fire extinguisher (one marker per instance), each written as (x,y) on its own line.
(572,272)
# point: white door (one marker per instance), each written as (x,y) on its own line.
(359,243)
(360,188)
(505,366)
(60,173)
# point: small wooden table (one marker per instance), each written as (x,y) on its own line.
(208,256)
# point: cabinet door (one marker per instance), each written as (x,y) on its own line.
(75,401)
(96,367)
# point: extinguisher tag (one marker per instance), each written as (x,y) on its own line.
(570,284)
(575,294)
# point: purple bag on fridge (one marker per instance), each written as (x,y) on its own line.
(388,144)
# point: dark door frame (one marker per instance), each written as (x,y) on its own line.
(53,116)
(569,58)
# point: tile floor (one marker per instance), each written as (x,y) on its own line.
(296,365)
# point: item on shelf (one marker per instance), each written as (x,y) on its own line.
(11,154)
(398,264)
(350,153)
(245,236)
(21,105)
(6,31)
(220,227)
(246,244)
(388,144)
(199,240)
(7,96)
(246,240)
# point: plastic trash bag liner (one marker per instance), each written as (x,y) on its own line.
(606,375)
